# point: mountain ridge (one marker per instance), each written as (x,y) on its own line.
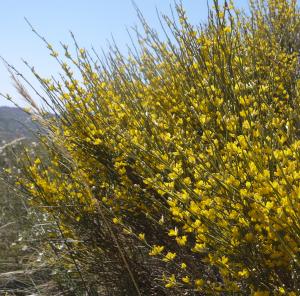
(14,123)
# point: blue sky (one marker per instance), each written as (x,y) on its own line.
(93,22)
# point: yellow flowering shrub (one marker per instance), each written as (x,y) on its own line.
(181,160)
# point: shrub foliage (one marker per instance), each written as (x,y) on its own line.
(175,169)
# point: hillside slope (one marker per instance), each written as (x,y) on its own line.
(14,123)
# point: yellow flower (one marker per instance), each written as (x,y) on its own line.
(171,281)
(82,51)
(224,260)
(181,240)
(186,279)
(116,220)
(173,232)
(156,250)
(97,142)
(199,283)
(37,161)
(183,265)
(169,257)
(281,290)
(244,273)
(227,29)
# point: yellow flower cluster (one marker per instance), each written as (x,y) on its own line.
(194,145)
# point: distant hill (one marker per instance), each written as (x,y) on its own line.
(14,124)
